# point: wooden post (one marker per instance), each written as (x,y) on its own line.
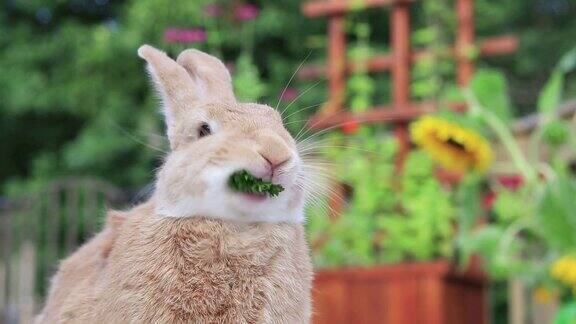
(336,63)
(517,302)
(26,291)
(464,41)
(72,217)
(9,274)
(401,71)
(5,228)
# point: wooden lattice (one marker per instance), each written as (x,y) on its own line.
(399,62)
(402,109)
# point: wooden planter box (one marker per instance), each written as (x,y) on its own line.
(431,293)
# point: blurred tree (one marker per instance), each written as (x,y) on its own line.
(546,29)
(76,100)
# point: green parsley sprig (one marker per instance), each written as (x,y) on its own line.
(243,181)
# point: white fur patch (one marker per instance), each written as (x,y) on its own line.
(219,202)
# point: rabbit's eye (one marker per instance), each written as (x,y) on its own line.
(204,130)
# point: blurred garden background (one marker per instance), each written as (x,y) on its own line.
(450,137)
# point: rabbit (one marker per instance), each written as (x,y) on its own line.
(196,251)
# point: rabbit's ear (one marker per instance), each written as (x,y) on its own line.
(210,74)
(177,88)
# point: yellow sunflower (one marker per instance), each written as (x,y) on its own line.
(564,270)
(453,146)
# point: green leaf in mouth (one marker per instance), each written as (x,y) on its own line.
(243,181)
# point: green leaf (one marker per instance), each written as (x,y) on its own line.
(557,214)
(511,205)
(484,241)
(568,61)
(243,181)
(491,89)
(468,200)
(551,95)
(566,314)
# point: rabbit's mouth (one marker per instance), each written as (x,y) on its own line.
(255,197)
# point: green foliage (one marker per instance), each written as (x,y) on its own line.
(424,230)
(75,100)
(517,198)
(247,84)
(468,203)
(566,314)
(360,85)
(556,133)
(486,242)
(535,223)
(433,73)
(491,89)
(244,181)
(75,96)
(387,218)
(556,214)
(551,95)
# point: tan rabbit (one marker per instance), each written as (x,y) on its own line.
(197,252)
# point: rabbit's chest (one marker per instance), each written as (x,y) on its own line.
(192,276)
(219,288)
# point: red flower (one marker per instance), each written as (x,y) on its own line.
(246,12)
(289,94)
(350,127)
(511,182)
(175,35)
(489,199)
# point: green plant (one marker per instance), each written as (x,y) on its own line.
(360,85)
(74,100)
(535,221)
(75,97)
(386,219)
(433,73)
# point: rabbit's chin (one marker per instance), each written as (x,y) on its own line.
(217,201)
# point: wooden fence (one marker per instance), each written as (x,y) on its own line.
(39,230)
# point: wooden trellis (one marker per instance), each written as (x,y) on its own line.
(402,109)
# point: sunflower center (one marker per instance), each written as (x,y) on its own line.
(455,144)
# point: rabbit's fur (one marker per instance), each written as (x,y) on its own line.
(197,252)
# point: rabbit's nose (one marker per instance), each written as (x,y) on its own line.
(273,150)
(274,161)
